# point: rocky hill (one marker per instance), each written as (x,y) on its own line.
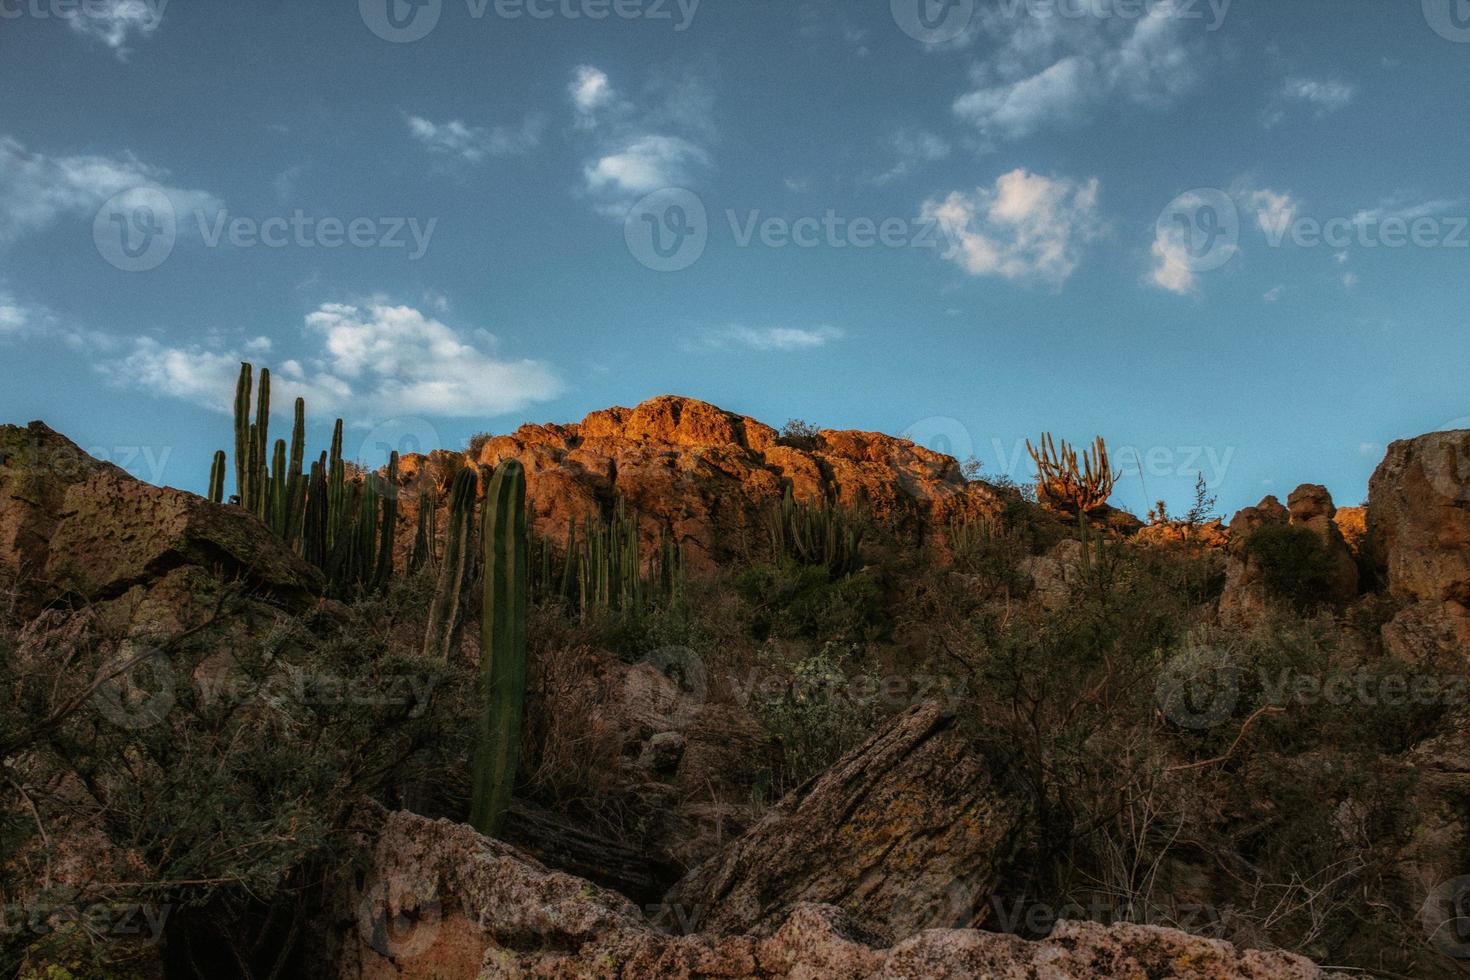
(793,776)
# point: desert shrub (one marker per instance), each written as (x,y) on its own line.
(799,434)
(816,713)
(477,443)
(1295,563)
(796,601)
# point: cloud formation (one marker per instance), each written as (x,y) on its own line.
(1050,72)
(36,189)
(368,362)
(473,143)
(640,148)
(113,22)
(1026,227)
(783,339)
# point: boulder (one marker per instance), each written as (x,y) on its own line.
(1419,518)
(900,820)
(436,900)
(72,525)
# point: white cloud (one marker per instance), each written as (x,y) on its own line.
(16,319)
(1372,450)
(913,148)
(771,338)
(1273,294)
(644,165)
(640,149)
(1350,279)
(1056,71)
(1325,96)
(590,90)
(475,143)
(1401,207)
(113,21)
(1025,227)
(37,189)
(372,361)
(1173,269)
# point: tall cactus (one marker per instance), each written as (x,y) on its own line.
(217,478)
(502,648)
(242,431)
(295,479)
(427,535)
(446,611)
(816,534)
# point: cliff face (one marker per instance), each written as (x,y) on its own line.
(709,474)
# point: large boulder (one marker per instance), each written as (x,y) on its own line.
(900,821)
(436,900)
(1419,518)
(73,526)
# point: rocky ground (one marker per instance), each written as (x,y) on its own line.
(668,826)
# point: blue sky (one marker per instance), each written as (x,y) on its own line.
(1231,238)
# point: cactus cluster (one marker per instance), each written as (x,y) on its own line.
(1062,478)
(341,524)
(602,568)
(816,534)
(455,570)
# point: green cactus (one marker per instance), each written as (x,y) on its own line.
(217,478)
(275,503)
(441,635)
(816,534)
(502,648)
(295,481)
(424,539)
(383,569)
(242,432)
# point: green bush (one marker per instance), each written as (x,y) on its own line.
(1294,562)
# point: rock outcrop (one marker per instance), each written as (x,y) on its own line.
(892,829)
(1310,507)
(708,474)
(72,525)
(1419,517)
(439,901)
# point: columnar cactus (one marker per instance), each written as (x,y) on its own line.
(242,431)
(1063,479)
(217,478)
(816,534)
(502,648)
(446,609)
